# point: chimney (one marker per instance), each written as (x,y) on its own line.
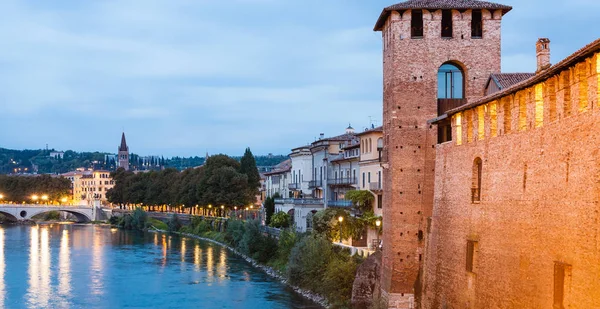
(322,135)
(543,54)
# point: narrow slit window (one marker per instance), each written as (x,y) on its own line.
(561,276)
(469,126)
(476,183)
(507,116)
(416,24)
(522,112)
(551,95)
(493,120)
(566,85)
(458,125)
(446,23)
(471,251)
(476,24)
(583,87)
(481,122)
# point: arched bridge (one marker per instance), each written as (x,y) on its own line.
(21,212)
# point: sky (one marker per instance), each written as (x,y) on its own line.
(187,77)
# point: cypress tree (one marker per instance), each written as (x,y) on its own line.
(248,167)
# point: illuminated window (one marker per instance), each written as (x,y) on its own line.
(493,119)
(539,105)
(458,125)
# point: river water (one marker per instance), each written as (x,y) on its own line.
(85,266)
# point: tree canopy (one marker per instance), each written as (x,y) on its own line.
(22,188)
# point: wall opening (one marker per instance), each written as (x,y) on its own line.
(566,86)
(583,86)
(450,82)
(447,23)
(476,24)
(507,115)
(522,111)
(469,115)
(458,126)
(494,119)
(481,122)
(416,24)
(476,181)
(551,95)
(561,274)
(539,105)
(471,252)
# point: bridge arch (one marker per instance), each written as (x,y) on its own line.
(80,215)
(9,216)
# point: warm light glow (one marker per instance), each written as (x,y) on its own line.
(34,197)
(246,208)
(251,206)
(222,207)
(235,207)
(539,105)
(44,197)
(64,200)
(341,219)
(458,126)
(1,196)
(378,223)
(209,206)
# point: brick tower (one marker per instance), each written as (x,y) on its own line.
(124,153)
(437,55)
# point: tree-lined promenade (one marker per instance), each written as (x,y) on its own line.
(218,187)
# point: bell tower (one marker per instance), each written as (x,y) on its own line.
(123,153)
(437,55)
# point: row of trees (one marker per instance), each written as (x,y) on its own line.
(22,188)
(221,181)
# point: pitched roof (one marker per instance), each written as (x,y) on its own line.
(579,55)
(439,4)
(505,80)
(376,129)
(123,146)
(282,167)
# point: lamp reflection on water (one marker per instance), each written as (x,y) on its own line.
(97,271)
(2,269)
(197,257)
(38,293)
(64,260)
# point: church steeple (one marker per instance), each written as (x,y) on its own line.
(124,153)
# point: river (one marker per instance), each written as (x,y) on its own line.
(91,266)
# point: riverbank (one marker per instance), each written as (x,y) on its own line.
(322,301)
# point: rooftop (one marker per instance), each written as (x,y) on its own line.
(280,168)
(437,5)
(505,80)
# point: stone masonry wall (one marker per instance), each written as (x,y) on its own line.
(539,205)
(410,99)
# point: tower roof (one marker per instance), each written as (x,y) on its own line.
(123,146)
(437,5)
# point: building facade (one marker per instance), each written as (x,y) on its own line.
(436,55)
(88,186)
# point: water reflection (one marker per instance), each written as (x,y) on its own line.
(95,267)
(64,262)
(2,269)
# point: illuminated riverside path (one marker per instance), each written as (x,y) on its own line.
(91,266)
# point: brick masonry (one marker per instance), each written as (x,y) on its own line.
(539,205)
(410,99)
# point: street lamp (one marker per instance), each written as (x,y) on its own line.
(35,198)
(1,196)
(341,219)
(222,210)
(64,200)
(378,224)
(45,198)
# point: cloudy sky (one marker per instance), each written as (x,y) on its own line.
(184,77)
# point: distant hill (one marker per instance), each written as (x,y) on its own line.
(40,162)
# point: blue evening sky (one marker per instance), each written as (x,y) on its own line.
(191,76)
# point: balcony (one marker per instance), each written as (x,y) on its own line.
(299,201)
(375,186)
(341,181)
(444,105)
(315,184)
(340,203)
(294,186)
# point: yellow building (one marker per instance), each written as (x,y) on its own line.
(88,186)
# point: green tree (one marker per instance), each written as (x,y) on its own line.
(362,199)
(280,220)
(248,168)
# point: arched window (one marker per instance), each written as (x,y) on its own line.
(370,146)
(450,82)
(476,184)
